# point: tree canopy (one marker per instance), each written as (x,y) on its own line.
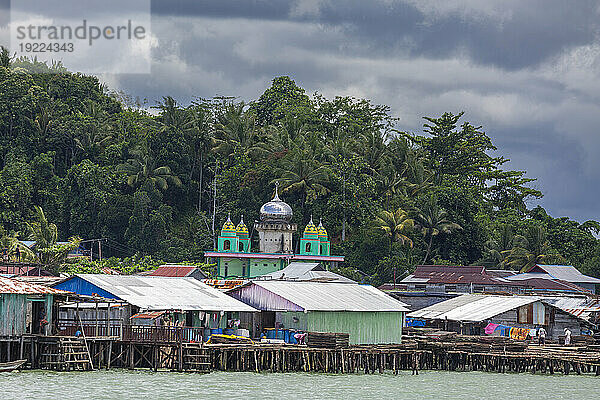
(161,183)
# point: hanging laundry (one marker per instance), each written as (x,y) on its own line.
(490,328)
(519,333)
(533,332)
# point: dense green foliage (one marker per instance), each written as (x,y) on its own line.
(162,183)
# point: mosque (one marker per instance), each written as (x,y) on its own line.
(275,229)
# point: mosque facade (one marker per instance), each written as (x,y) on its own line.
(234,256)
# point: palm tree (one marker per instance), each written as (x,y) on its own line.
(15,249)
(142,169)
(432,219)
(172,116)
(395,224)
(236,130)
(92,141)
(494,248)
(45,234)
(373,148)
(390,183)
(531,249)
(301,173)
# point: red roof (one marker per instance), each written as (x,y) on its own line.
(148,314)
(179,271)
(11,286)
(454,274)
(23,270)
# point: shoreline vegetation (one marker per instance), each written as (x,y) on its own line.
(81,165)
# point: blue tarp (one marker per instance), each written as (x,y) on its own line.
(414,322)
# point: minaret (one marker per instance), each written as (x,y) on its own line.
(244,237)
(325,244)
(310,243)
(228,241)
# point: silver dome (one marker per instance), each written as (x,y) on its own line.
(276,211)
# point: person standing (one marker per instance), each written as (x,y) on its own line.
(567,337)
(542,335)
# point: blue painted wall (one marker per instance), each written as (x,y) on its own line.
(80,286)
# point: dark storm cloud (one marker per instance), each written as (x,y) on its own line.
(256,9)
(528,71)
(532,32)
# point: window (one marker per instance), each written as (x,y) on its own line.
(241,246)
(450,288)
(308,247)
(226,245)
(532,314)
(420,287)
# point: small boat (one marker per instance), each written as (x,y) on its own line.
(12,365)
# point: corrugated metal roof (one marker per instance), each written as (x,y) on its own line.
(148,314)
(12,286)
(165,293)
(580,306)
(174,270)
(302,271)
(529,275)
(566,273)
(319,296)
(473,307)
(447,274)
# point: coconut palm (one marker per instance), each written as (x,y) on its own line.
(142,169)
(301,173)
(15,249)
(48,251)
(236,130)
(530,249)
(395,224)
(172,116)
(432,219)
(495,248)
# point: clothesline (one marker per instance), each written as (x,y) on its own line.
(510,331)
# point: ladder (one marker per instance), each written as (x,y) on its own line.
(196,358)
(75,354)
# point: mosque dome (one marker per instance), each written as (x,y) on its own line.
(311,229)
(241,229)
(276,210)
(322,230)
(228,227)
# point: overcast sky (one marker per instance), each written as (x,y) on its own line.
(528,71)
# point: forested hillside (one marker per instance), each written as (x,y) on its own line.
(161,183)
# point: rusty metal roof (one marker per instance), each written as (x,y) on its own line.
(148,314)
(175,270)
(452,275)
(12,286)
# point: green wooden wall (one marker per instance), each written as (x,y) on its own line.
(363,327)
(13,313)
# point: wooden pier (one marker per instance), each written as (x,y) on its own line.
(416,354)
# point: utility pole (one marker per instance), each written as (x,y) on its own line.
(100,249)
(215,204)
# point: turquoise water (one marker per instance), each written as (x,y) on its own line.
(119,384)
